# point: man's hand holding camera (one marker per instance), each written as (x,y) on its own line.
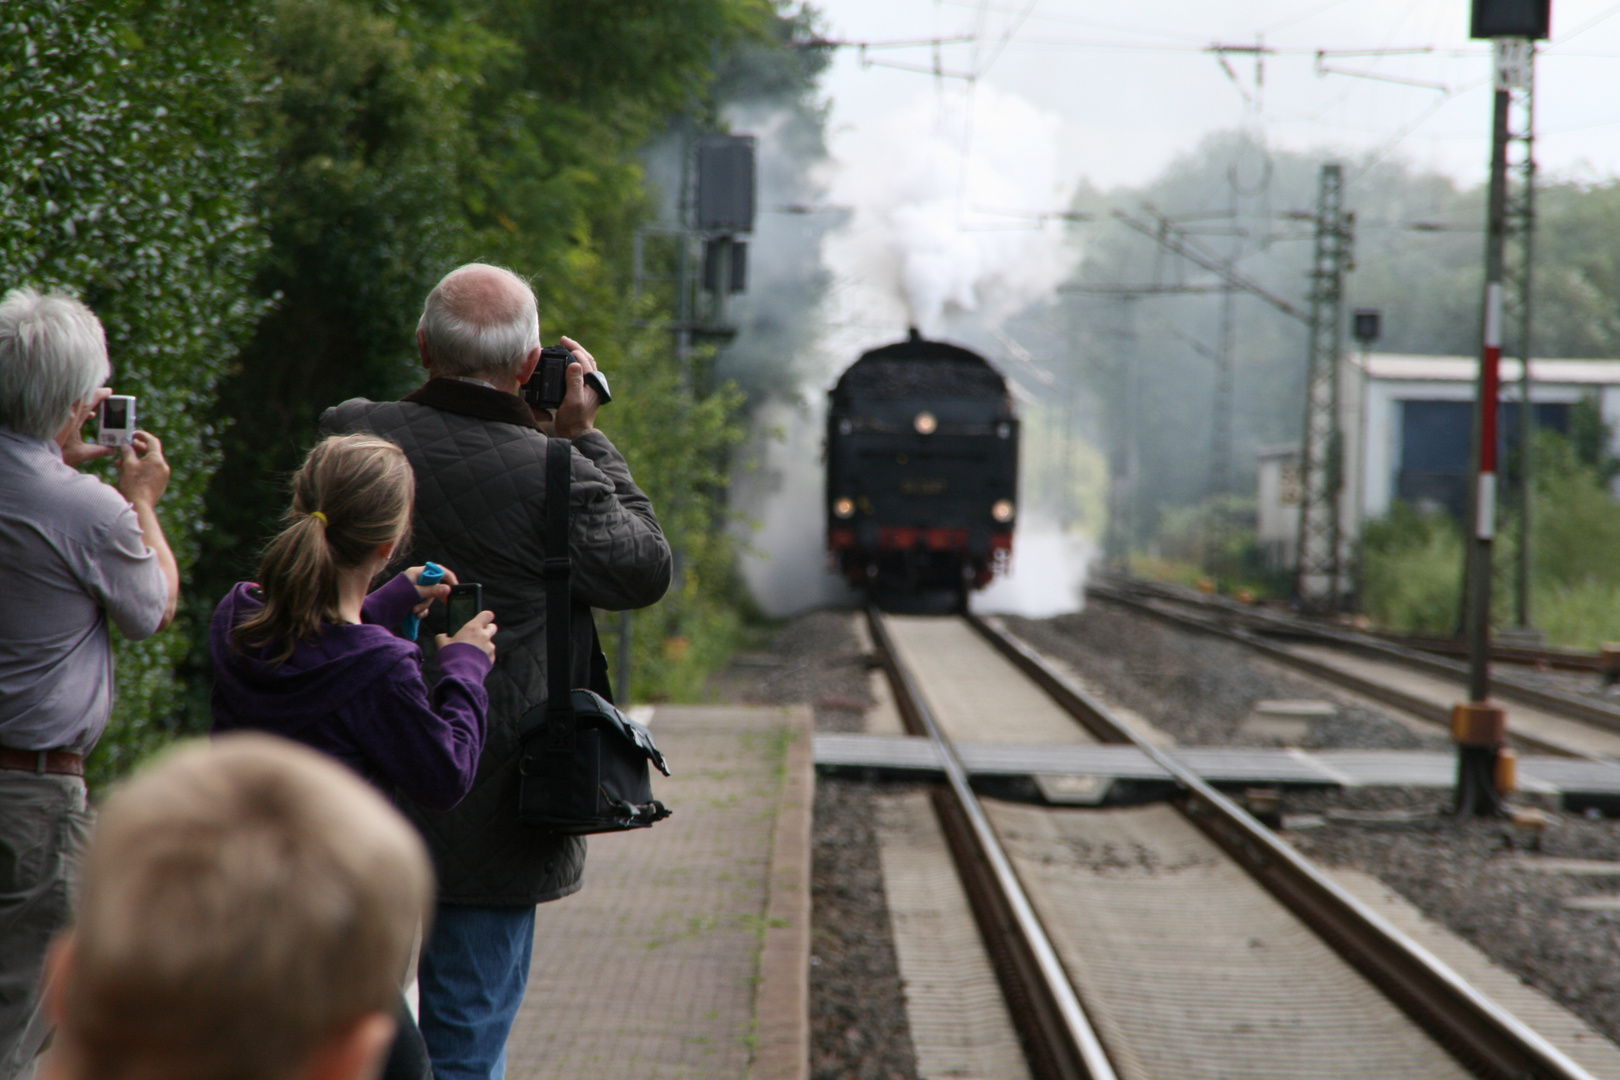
(143,477)
(75,451)
(143,472)
(577,413)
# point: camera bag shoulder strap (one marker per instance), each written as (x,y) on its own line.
(557,571)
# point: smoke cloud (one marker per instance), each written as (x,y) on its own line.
(784,535)
(953,200)
(949,227)
(1047,578)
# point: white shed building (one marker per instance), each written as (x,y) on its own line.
(1407,426)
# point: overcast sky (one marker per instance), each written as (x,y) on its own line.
(1134,84)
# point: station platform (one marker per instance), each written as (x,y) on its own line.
(913,756)
(687,952)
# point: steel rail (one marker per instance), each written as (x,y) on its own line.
(1522,655)
(1504,684)
(1059,1040)
(1481,1034)
(1410,703)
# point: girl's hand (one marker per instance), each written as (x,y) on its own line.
(430,593)
(479,631)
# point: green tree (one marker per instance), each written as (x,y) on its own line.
(364,125)
(408,137)
(126,175)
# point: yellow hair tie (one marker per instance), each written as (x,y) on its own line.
(318,514)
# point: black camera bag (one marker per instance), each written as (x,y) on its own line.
(583,765)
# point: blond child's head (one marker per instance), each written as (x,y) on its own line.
(247,911)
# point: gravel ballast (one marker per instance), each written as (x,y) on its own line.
(1199,689)
(1476,876)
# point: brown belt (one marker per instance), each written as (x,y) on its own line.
(62,762)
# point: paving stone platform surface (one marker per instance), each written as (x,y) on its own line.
(686,953)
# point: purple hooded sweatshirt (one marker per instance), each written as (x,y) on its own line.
(356,692)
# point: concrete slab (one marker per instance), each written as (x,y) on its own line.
(1141,725)
(976,693)
(910,754)
(1188,967)
(960,1027)
(1544,864)
(687,952)
(883,718)
(1603,904)
(1286,720)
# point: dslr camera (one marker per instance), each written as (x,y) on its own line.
(548,385)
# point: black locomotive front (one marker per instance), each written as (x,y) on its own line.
(922,474)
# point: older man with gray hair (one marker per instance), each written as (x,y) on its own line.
(77,555)
(479,453)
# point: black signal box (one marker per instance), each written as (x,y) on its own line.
(725,183)
(1365,325)
(1511,18)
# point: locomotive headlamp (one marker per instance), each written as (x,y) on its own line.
(925,423)
(844,507)
(1002,511)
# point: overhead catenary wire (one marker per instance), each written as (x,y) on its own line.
(989,39)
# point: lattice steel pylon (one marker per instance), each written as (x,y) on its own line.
(1517,259)
(1321,551)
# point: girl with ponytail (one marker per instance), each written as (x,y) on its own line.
(307,653)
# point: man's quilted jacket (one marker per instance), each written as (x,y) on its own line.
(480,511)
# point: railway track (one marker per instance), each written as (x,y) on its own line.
(1187,961)
(1418,683)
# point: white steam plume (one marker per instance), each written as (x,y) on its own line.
(1047,578)
(946,198)
(778,487)
(951,199)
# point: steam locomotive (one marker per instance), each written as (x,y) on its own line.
(922,474)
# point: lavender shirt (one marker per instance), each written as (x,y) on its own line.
(355,691)
(74,559)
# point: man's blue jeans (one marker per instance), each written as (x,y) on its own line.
(472,975)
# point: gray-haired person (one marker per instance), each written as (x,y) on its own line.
(76,555)
(479,454)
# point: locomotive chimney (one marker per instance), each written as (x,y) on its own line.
(913,334)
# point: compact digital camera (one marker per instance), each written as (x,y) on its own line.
(116,425)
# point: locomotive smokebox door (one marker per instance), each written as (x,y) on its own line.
(922,474)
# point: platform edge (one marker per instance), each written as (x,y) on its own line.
(782,996)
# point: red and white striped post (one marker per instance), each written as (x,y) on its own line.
(1478,726)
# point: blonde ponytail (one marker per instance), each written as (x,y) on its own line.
(352,495)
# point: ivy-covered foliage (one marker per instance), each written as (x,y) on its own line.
(127,170)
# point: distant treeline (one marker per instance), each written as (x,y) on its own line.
(1419,254)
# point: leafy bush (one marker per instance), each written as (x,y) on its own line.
(126,174)
(1413,563)
(1578,616)
(1412,571)
(1576,522)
